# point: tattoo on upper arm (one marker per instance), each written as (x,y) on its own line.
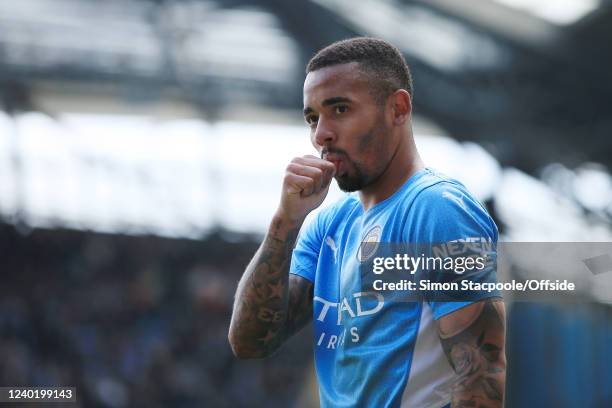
(476,354)
(299,311)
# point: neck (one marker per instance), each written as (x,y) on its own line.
(403,165)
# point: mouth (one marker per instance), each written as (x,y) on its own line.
(336,160)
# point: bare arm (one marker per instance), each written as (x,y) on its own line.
(473,339)
(271,304)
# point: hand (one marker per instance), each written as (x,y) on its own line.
(305,186)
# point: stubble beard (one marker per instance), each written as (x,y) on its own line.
(360,177)
(355,182)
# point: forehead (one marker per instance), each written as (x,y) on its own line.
(345,80)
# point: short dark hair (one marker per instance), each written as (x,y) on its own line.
(378,59)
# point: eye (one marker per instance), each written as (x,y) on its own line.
(311,119)
(340,109)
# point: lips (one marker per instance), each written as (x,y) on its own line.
(337,162)
(337,165)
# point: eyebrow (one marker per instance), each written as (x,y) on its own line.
(329,101)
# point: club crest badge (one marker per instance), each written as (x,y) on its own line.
(369,244)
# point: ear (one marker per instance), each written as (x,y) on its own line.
(401,106)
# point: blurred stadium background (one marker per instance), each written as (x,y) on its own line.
(142,145)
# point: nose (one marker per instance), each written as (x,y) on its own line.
(323,135)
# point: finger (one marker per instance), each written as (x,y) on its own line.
(329,175)
(329,169)
(314,173)
(316,162)
(297,184)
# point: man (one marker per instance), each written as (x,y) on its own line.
(370,351)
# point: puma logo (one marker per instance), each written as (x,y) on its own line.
(330,243)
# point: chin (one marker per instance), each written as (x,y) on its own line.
(349,185)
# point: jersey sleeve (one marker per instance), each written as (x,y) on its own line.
(447,216)
(305,255)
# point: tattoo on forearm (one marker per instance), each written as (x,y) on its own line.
(476,354)
(270,304)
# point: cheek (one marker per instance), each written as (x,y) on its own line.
(367,143)
(313,141)
(366,139)
(374,142)
(377,147)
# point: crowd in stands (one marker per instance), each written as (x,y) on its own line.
(134,321)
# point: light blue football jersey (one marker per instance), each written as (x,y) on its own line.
(370,351)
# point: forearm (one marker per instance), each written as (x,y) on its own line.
(270,305)
(476,351)
(258,325)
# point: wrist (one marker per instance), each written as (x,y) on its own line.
(283,225)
